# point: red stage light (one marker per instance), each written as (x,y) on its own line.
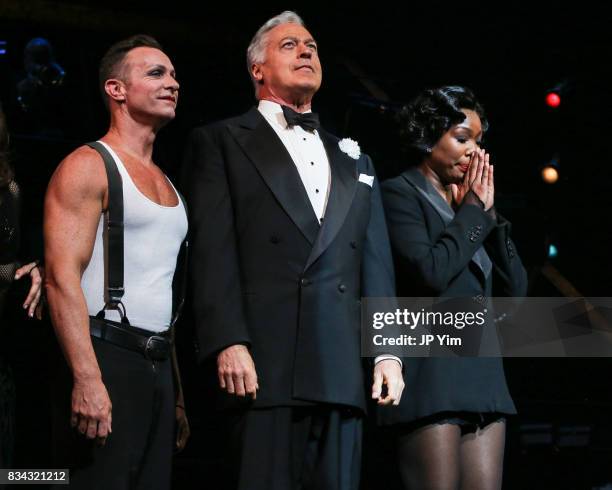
(553,100)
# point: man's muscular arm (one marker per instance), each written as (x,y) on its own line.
(75,198)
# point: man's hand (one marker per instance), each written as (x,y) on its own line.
(182,424)
(236,371)
(91,409)
(32,301)
(388,373)
(182,428)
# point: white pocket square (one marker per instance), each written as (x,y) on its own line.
(366,179)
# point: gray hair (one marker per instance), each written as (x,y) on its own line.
(257,47)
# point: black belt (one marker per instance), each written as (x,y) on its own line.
(157,347)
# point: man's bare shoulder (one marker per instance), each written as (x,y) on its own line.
(82,169)
(83,160)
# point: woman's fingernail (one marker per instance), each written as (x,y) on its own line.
(25,306)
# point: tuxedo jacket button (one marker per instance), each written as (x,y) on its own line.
(353,244)
(341,288)
(305,282)
(510,249)
(274,239)
(474,233)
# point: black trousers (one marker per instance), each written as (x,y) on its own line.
(295,448)
(138,453)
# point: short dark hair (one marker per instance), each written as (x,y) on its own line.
(433,112)
(6,172)
(111,62)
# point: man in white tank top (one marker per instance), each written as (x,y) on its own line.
(123,401)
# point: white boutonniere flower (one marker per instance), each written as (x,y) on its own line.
(350,147)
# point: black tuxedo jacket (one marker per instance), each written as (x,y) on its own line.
(265,273)
(435,256)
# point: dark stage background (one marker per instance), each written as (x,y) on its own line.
(375,58)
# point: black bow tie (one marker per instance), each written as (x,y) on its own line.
(309,121)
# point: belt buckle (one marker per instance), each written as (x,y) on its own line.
(151,350)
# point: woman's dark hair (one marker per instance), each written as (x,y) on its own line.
(433,112)
(6,173)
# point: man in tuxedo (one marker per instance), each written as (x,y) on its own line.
(288,234)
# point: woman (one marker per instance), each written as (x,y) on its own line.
(9,272)
(448,240)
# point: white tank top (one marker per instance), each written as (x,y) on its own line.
(152,238)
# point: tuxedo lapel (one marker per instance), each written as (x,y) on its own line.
(427,190)
(273,162)
(343,187)
(422,185)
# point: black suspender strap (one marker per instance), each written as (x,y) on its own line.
(114,235)
(180,274)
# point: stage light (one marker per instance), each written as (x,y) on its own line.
(552,251)
(550,174)
(3,48)
(553,100)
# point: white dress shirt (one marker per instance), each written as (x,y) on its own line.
(310,158)
(307,152)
